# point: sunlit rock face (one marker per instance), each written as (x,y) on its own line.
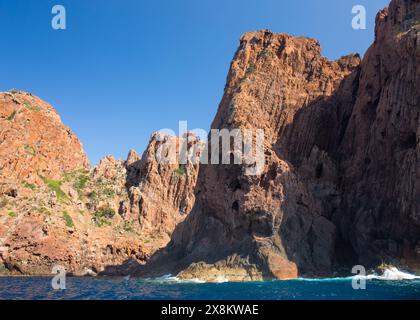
(340,184)
(57,210)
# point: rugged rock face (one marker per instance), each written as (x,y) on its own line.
(56,210)
(340,184)
(164,192)
(380,152)
(360,155)
(244,222)
(34,142)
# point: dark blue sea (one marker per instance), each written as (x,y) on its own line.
(122,288)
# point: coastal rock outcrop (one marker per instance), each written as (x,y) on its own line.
(56,210)
(340,182)
(34,142)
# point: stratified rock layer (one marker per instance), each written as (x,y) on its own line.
(340,185)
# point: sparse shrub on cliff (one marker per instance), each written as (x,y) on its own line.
(55,185)
(3,203)
(29,185)
(80,180)
(28,105)
(11,213)
(107,213)
(68,220)
(180,171)
(43,210)
(92,195)
(265,53)
(108,192)
(101,221)
(102,216)
(250,69)
(12,115)
(231,108)
(127,226)
(30,150)
(69,176)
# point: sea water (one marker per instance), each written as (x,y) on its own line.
(172,288)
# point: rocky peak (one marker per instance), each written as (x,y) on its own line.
(272,76)
(55,209)
(340,180)
(399,17)
(163,192)
(108,167)
(132,157)
(34,141)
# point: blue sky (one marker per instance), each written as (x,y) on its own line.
(125,68)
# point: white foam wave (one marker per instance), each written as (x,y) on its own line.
(393,273)
(171,278)
(390,274)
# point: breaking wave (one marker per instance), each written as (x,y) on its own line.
(393,273)
(390,274)
(171,278)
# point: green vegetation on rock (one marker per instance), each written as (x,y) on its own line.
(68,220)
(43,210)
(3,202)
(180,171)
(30,150)
(28,105)
(80,179)
(29,185)
(12,115)
(250,69)
(265,53)
(11,213)
(102,216)
(127,226)
(55,185)
(93,195)
(81,182)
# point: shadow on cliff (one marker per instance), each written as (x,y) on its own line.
(203,236)
(207,244)
(311,229)
(309,238)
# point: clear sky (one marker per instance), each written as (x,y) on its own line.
(125,68)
